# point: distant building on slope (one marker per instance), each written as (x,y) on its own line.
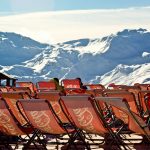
(7,80)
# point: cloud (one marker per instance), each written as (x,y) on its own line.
(59,26)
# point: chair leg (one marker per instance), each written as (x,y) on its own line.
(31,140)
(82,137)
(145,140)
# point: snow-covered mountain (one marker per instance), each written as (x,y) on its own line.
(123,58)
(18,48)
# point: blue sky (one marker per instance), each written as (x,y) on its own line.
(23,6)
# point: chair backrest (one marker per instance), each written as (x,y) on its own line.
(113,86)
(71,83)
(90,92)
(83,114)
(30,85)
(95,86)
(97,92)
(22,89)
(40,116)
(122,111)
(75,91)
(53,98)
(134,89)
(46,85)
(141,96)
(7,123)
(128,96)
(114,90)
(11,99)
(142,86)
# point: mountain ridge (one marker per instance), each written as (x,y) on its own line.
(18,47)
(94,60)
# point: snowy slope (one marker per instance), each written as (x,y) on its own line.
(122,58)
(18,48)
(124,74)
(93,46)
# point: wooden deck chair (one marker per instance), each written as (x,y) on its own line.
(53,98)
(85,117)
(122,110)
(72,86)
(9,125)
(30,85)
(113,86)
(129,96)
(103,93)
(80,107)
(46,85)
(41,116)
(71,83)
(133,89)
(11,99)
(95,86)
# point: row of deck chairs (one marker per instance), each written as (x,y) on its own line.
(35,118)
(50,85)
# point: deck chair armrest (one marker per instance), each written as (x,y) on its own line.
(22,114)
